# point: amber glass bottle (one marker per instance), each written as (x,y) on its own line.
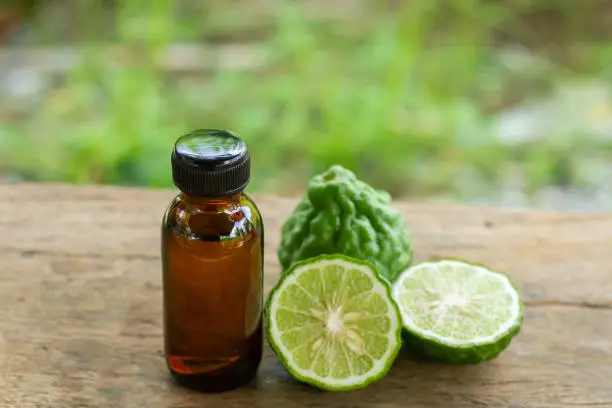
(212,251)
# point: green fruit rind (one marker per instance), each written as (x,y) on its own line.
(341,214)
(434,348)
(383,365)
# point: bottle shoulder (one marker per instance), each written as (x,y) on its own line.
(249,203)
(212,219)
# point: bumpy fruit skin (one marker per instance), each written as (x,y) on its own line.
(436,352)
(341,214)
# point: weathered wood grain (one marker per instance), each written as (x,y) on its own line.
(80,307)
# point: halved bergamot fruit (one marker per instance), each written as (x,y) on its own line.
(457,312)
(332,323)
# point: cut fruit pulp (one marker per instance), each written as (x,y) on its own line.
(332,322)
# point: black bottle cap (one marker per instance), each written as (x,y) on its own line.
(210,163)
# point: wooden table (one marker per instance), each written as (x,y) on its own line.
(80,307)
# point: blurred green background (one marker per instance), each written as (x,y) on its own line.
(506,102)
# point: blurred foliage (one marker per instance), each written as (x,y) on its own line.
(410,95)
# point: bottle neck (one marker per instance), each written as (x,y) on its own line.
(214,201)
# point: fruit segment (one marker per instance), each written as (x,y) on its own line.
(333,323)
(457,312)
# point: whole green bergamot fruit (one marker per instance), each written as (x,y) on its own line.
(341,214)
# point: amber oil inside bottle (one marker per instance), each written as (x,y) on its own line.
(212,251)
